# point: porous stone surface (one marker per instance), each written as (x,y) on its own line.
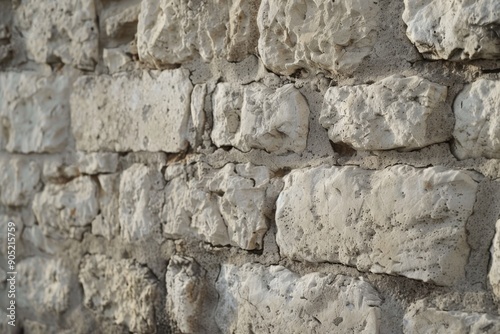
(64,31)
(353,211)
(107,223)
(97,163)
(67,210)
(454,30)
(141,202)
(43,285)
(331,36)
(19,180)
(34,112)
(477,111)
(220,206)
(494,274)
(261,299)
(394,113)
(173,31)
(149,111)
(188,296)
(256,116)
(119,290)
(422,319)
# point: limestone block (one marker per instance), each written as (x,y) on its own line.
(259,299)
(255,116)
(19,180)
(34,112)
(116,60)
(494,274)
(220,206)
(401,220)
(454,30)
(63,30)
(107,222)
(420,319)
(121,18)
(332,36)
(141,202)
(188,296)
(148,111)
(394,113)
(174,31)
(97,163)
(67,210)
(477,113)
(122,291)
(43,285)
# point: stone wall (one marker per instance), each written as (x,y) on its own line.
(251,166)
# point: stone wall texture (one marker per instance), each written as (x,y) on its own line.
(250,166)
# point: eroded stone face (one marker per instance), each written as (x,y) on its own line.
(255,116)
(19,180)
(120,290)
(454,30)
(148,111)
(107,223)
(220,206)
(63,30)
(477,125)
(67,210)
(494,274)
(401,220)
(331,36)
(34,112)
(43,285)
(394,113)
(175,31)
(420,319)
(140,202)
(255,298)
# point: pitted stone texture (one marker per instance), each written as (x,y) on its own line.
(43,285)
(63,30)
(97,163)
(174,31)
(137,111)
(420,319)
(34,112)
(494,274)
(259,299)
(107,223)
(120,290)
(255,116)
(332,36)
(19,180)
(220,206)
(401,220)
(455,29)
(477,125)
(394,113)
(67,210)
(188,296)
(141,202)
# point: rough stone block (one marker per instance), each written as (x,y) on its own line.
(174,31)
(34,112)
(400,221)
(43,285)
(259,299)
(120,290)
(189,296)
(454,30)
(140,202)
(19,180)
(255,116)
(67,210)
(494,275)
(394,113)
(107,223)
(220,206)
(63,30)
(420,319)
(477,113)
(148,111)
(332,36)
(97,163)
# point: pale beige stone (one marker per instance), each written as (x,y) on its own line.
(107,222)
(400,220)
(494,274)
(19,180)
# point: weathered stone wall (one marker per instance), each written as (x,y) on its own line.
(251,166)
